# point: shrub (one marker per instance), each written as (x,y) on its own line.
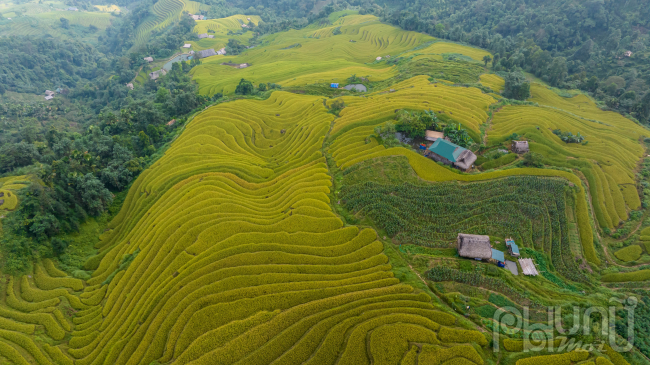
(629,253)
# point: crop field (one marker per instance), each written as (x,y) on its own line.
(530,209)
(235,219)
(221,27)
(108,8)
(313,55)
(445,48)
(493,81)
(608,160)
(163,13)
(36,315)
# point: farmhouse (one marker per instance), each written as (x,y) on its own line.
(49,92)
(210,36)
(187,45)
(450,154)
(513,249)
(206,53)
(628,54)
(334,85)
(49,97)
(432,135)
(520,147)
(72,8)
(148,59)
(197,17)
(171,122)
(129,85)
(222,51)
(499,257)
(474,246)
(203,35)
(378,58)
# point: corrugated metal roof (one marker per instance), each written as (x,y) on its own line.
(446,149)
(498,255)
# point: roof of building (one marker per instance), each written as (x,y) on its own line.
(378,58)
(210,36)
(498,255)
(49,92)
(187,45)
(206,53)
(49,97)
(432,135)
(334,84)
(474,246)
(130,85)
(465,160)
(203,35)
(528,267)
(446,149)
(513,246)
(72,8)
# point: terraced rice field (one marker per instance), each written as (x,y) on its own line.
(607,161)
(221,27)
(442,48)
(164,12)
(235,220)
(36,315)
(313,55)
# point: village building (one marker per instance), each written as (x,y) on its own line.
(171,122)
(222,51)
(474,246)
(499,257)
(451,154)
(72,8)
(129,85)
(378,58)
(206,53)
(520,147)
(203,35)
(628,54)
(244,26)
(187,45)
(431,135)
(334,85)
(210,36)
(49,97)
(513,249)
(197,17)
(148,59)
(244,65)
(49,92)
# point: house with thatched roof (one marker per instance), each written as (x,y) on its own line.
(205,53)
(430,135)
(474,246)
(451,154)
(520,147)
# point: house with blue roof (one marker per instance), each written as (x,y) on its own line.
(499,257)
(451,154)
(334,85)
(513,249)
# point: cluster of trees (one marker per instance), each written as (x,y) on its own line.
(34,64)
(415,124)
(568,137)
(246,87)
(100,135)
(567,43)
